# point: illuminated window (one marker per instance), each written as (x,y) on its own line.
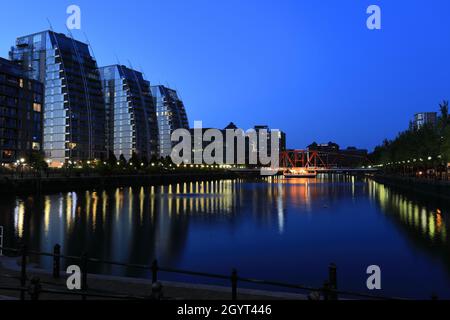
(37,107)
(8,154)
(36,146)
(21,83)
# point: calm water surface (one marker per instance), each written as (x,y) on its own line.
(286,230)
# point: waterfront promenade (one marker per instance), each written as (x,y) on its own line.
(123,287)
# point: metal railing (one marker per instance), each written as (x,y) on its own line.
(1,240)
(329,290)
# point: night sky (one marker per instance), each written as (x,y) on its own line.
(310,68)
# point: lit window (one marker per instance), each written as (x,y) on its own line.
(36,146)
(37,107)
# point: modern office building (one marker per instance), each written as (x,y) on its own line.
(74,111)
(130,113)
(424,118)
(20,113)
(171,115)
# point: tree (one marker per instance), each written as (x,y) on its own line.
(36,160)
(112,159)
(445,147)
(122,160)
(444,120)
(135,160)
(154,159)
(144,162)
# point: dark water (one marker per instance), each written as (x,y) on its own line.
(285,230)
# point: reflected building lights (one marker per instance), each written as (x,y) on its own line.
(47,210)
(68,209)
(94,210)
(19,217)
(104,205)
(141,205)
(280,209)
(427,222)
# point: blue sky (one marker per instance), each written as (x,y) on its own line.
(308,67)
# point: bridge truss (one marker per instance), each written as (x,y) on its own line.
(313,159)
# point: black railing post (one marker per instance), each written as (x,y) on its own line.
(332,280)
(56,261)
(23,272)
(326,291)
(35,288)
(154,271)
(84,273)
(234,281)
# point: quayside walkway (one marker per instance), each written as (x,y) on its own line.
(21,280)
(103,287)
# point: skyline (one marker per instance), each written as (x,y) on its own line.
(340,72)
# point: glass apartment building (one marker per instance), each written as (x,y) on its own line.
(424,118)
(131,118)
(20,113)
(171,115)
(74,115)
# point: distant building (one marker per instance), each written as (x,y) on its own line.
(171,115)
(424,118)
(353,156)
(131,125)
(324,147)
(21,105)
(331,154)
(261,145)
(258,147)
(74,110)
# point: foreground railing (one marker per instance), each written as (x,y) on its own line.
(328,291)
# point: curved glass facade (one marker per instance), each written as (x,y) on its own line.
(74,112)
(131,117)
(171,115)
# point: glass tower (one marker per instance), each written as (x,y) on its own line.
(20,113)
(171,115)
(74,111)
(131,118)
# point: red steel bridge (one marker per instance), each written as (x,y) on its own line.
(323,161)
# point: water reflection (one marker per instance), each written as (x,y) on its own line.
(124,224)
(424,221)
(216,225)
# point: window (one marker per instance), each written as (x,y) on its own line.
(37,107)
(8,154)
(36,146)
